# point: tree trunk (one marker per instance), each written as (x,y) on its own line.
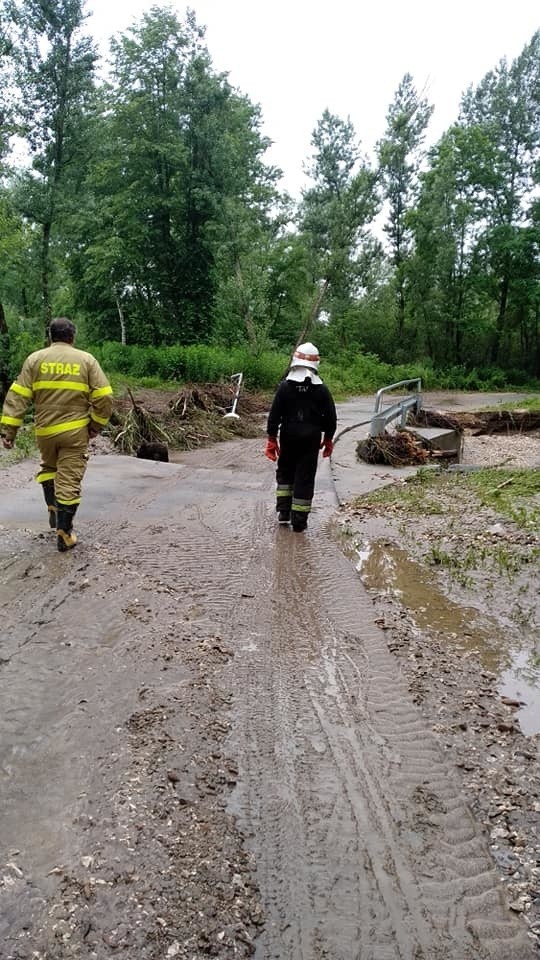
(501,319)
(314,313)
(248,319)
(5,379)
(535,367)
(122,321)
(45,271)
(401,308)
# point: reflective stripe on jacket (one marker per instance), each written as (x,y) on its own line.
(68,387)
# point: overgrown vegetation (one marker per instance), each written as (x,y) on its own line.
(346,375)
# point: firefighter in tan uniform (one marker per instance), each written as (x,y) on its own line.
(72,402)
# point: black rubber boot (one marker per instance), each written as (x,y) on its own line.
(299,521)
(50,500)
(283,507)
(66,539)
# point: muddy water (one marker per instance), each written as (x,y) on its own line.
(387,568)
(362,841)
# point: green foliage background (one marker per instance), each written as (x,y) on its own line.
(146,210)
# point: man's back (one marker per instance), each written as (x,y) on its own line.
(64,383)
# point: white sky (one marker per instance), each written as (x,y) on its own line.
(297,57)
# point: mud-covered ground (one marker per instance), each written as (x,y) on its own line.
(454,585)
(209,747)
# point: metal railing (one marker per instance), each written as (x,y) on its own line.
(382,417)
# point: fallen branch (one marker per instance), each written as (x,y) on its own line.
(501,485)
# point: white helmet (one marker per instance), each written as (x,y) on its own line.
(306,355)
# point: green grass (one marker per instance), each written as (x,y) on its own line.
(25,446)
(531,403)
(121,381)
(513,493)
(416,495)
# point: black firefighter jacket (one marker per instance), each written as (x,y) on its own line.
(302,410)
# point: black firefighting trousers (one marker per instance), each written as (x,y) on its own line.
(295,474)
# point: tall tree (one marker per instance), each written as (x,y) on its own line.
(335,214)
(6,220)
(55,67)
(179,150)
(445,232)
(503,114)
(400,156)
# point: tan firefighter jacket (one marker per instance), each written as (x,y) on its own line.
(69,390)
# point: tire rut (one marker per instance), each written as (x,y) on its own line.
(365,847)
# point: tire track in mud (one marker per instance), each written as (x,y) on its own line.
(364,844)
(376,896)
(58,645)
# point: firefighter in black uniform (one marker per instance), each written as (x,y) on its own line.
(304,413)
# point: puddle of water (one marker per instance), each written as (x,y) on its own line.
(522,682)
(387,568)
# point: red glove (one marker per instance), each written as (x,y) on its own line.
(272,449)
(327,448)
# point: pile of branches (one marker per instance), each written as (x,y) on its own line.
(138,428)
(193,418)
(212,398)
(484,422)
(216,398)
(393,449)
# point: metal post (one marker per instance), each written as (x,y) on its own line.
(239,378)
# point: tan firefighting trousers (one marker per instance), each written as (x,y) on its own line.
(64,459)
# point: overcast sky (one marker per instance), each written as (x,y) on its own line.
(297,57)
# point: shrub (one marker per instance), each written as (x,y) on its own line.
(363,373)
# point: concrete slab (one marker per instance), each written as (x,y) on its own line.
(438,438)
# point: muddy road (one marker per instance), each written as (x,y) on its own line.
(206,746)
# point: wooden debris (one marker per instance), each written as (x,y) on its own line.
(138,428)
(193,418)
(395,449)
(499,486)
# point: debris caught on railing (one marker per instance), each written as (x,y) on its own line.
(395,449)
